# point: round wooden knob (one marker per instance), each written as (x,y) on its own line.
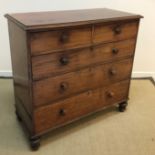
(64,60)
(113,71)
(111,94)
(115,50)
(62,112)
(117,30)
(63,86)
(64,37)
(92,48)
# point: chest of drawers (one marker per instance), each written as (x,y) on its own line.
(69,64)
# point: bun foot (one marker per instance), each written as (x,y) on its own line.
(122,106)
(35,143)
(18,116)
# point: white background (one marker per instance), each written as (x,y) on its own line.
(144,64)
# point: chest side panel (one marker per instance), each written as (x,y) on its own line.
(21,71)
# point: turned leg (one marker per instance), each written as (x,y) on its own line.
(35,143)
(122,106)
(18,116)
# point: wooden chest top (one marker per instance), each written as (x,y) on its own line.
(50,19)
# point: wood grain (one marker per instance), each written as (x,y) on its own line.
(50,41)
(20,65)
(50,65)
(43,42)
(50,116)
(52,19)
(51,89)
(104,33)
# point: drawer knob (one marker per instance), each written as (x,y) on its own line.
(62,112)
(113,71)
(92,48)
(63,86)
(64,60)
(111,94)
(115,50)
(117,30)
(64,37)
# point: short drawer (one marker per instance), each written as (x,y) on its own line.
(66,61)
(116,31)
(54,88)
(73,108)
(50,41)
(117,71)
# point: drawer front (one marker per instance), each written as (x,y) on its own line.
(54,88)
(118,71)
(65,111)
(115,32)
(58,63)
(50,41)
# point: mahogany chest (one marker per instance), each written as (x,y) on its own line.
(69,64)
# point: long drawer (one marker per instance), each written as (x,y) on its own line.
(66,38)
(65,111)
(66,61)
(54,88)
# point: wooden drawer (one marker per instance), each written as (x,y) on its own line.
(66,61)
(54,88)
(115,32)
(65,111)
(50,41)
(118,71)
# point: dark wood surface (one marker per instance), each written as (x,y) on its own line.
(56,40)
(20,65)
(52,64)
(41,20)
(69,64)
(43,42)
(115,32)
(59,87)
(77,106)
